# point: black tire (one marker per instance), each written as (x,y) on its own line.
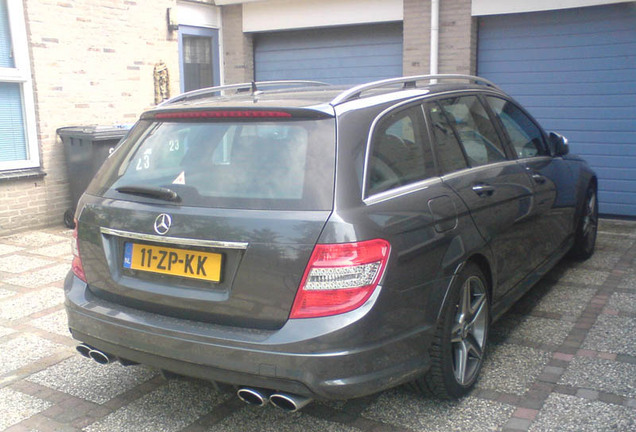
(585,235)
(69,218)
(459,345)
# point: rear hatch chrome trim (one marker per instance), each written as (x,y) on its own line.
(175,240)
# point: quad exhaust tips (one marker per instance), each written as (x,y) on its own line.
(253,396)
(285,401)
(95,354)
(289,402)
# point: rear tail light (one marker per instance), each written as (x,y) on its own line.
(76,266)
(340,278)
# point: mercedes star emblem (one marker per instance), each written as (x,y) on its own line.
(163,223)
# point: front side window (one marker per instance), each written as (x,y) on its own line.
(474,129)
(399,154)
(250,165)
(18,144)
(449,153)
(524,135)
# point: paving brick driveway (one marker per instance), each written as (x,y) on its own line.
(563,359)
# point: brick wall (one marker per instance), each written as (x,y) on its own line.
(417,42)
(457,38)
(92,63)
(238,49)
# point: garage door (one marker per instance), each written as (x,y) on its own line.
(575,70)
(340,55)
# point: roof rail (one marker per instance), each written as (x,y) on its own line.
(408,82)
(250,86)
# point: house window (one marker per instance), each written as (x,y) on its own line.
(18,144)
(199,57)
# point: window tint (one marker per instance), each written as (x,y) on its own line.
(524,135)
(255,165)
(449,154)
(474,129)
(399,155)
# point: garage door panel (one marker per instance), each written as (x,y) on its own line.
(575,71)
(611,49)
(600,148)
(503,77)
(343,55)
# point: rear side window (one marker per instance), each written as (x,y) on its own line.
(524,135)
(475,131)
(399,154)
(252,165)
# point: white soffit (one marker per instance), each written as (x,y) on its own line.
(499,7)
(297,14)
(198,15)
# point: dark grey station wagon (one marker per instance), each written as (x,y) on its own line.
(300,240)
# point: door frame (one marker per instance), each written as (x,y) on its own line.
(202,32)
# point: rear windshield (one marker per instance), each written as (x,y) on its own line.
(246,164)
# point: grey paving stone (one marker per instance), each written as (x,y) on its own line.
(605,260)
(23,305)
(613,242)
(21,263)
(565,300)
(41,277)
(628,281)
(16,407)
(512,368)
(563,413)
(56,322)
(7,249)
(24,350)
(86,379)
(170,408)
(614,334)
(6,331)
(270,419)
(58,250)
(601,375)
(624,302)
(534,329)
(581,276)
(6,293)
(36,238)
(468,414)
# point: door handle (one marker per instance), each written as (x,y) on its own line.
(483,190)
(538,178)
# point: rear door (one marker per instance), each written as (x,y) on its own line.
(495,188)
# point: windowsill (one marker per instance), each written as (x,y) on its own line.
(21,174)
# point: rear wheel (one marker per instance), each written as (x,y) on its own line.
(457,352)
(585,236)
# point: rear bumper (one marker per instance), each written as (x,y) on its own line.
(315,357)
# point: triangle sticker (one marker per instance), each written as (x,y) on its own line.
(180,179)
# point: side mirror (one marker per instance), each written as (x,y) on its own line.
(559,144)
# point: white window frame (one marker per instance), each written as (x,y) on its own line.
(21,74)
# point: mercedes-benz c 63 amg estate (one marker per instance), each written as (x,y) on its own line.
(300,240)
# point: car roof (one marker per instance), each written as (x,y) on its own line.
(320,96)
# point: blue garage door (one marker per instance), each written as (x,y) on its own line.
(575,71)
(340,55)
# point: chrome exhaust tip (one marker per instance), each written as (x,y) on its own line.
(289,402)
(101,357)
(253,396)
(84,350)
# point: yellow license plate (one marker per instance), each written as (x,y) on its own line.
(171,261)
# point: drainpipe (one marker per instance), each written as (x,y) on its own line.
(434,36)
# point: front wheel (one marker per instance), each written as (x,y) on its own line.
(585,236)
(457,352)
